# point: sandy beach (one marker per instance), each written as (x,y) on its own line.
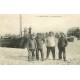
(13,56)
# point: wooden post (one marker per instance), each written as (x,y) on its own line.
(20,25)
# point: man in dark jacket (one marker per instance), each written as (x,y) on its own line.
(62,43)
(39,41)
(31,46)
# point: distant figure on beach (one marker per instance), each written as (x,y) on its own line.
(40,41)
(31,46)
(50,43)
(62,44)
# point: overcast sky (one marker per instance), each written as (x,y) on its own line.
(10,23)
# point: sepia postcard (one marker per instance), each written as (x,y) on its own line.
(39,39)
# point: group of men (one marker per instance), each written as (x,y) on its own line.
(34,45)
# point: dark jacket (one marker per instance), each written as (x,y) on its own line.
(62,42)
(31,44)
(39,42)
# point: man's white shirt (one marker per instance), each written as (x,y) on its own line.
(50,42)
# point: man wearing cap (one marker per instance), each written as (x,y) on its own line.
(62,44)
(40,42)
(51,42)
(31,46)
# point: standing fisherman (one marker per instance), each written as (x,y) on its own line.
(31,46)
(51,43)
(62,43)
(40,42)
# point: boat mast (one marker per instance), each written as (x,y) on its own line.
(20,25)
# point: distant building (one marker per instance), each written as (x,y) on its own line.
(74,32)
